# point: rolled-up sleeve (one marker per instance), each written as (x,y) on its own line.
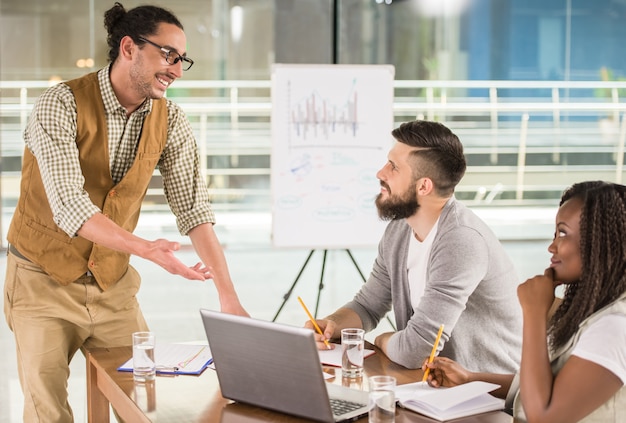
(185,189)
(51,137)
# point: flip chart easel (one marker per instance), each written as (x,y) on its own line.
(321,284)
(331,131)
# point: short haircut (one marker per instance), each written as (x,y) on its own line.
(439,155)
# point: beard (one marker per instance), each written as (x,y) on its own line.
(142,83)
(397,207)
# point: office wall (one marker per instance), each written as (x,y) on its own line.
(423,39)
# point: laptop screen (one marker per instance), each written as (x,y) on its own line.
(270,365)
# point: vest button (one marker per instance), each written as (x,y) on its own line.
(112,193)
(92,264)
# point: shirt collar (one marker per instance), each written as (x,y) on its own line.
(111,103)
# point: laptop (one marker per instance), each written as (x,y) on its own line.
(276,366)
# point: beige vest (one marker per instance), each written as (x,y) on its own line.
(33,231)
(614,410)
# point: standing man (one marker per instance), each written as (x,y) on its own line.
(92,145)
(437,263)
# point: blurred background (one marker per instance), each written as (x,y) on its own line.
(535,91)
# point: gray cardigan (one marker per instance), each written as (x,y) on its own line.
(471,288)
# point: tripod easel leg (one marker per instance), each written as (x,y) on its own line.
(321,285)
(293,285)
(355,265)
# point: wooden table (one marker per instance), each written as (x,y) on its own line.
(198,399)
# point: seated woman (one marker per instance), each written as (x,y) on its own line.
(573,364)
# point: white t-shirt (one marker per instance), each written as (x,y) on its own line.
(417,262)
(604,343)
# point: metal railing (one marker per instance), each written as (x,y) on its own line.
(525,140)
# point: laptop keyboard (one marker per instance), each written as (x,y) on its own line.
(341,407)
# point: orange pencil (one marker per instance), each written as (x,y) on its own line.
(313,321)
(432,353)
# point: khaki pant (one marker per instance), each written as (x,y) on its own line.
(51,322)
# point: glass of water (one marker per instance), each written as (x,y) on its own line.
(144,368)
(352,344)
(382,399)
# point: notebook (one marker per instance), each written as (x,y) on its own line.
(333,357)
(276,366)
(179,359)
(449,403)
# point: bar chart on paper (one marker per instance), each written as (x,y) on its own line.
(316,119)
(331,128)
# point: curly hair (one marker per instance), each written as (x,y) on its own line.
(440,153)
(603,256)
(137,22)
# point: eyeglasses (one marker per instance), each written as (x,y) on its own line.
(171,57)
